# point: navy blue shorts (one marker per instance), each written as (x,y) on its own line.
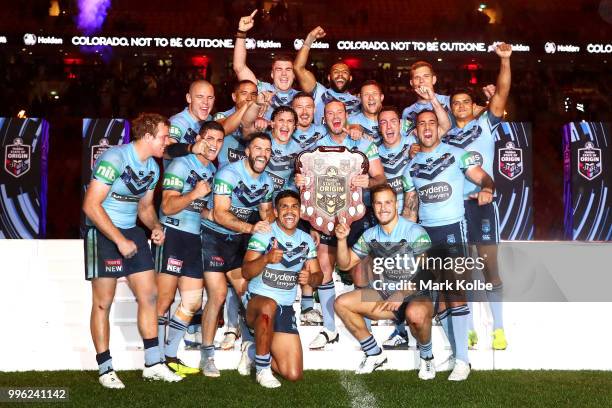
(448,240)
(482,222)
(103,259)
(400,314)
(222,252)
(180,254)
(357,229)
(284,319)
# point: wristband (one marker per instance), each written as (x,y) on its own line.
(241,34)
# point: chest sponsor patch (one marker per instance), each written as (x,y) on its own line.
(279,279)
(435,192)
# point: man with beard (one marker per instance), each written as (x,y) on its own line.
(282,70)
(275,263)
(435,178)
(394,235)
(186,191)
(336,123)
(339,79)
(121,189)
(306,133)
(477,134)
(240,189)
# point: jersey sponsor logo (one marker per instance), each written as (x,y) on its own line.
(589,161)
(124,198)
(241,213)
(137,185)
(331,191)
(174,265)
(256,245)
(172,182)
(279,182)
(477,158)
(435,192)
(175,132)
(113,265)
(279,279)
(223,187)
(197,205)
(432,168)
(106,172)
(396,184)
(510,161)
(17,158)
(98,150)
(216,261)
(235,155)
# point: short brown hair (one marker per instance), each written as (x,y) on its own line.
(421,64)
(380,188)
(282,57)
(390,108)
(147,123)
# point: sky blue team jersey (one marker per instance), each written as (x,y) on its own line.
(394,161)
(323,95)
(279,281)
(184,127)
(234,144)
(182,175)
(406,238)
(309,137)
(413,110)
(438,177)
(129,180)
(281,166)
(371,126)
(280,98)
(478,138)
(245,192)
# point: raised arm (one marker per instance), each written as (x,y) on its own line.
(232,122)
(428,94)
(497,105)
(306,79)
(345,258)
(240,68)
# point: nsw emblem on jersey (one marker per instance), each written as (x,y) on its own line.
(99,149)
(17,158)
(589,161)
(510,161)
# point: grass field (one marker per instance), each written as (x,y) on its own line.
(334,389)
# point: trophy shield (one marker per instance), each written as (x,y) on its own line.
(328,197)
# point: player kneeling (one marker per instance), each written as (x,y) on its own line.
(275,263)
(392,236)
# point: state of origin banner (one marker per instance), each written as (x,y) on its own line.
(24,145)
(99,135)
(587,180)
(513,174)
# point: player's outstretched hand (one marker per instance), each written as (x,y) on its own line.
(247,22)
(275,254)
(316,34)
(262,226)
(127,248)
(200,147)
(503,50)
(355,132)
(342,231)
(158,236)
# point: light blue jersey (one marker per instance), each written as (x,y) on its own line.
(370,127)
(309,137)
(394,160)
(279,281)
(234,144)
(413,110)
(182,175)
(280,98)
(406,238)
(476,137)
(438,177)
(129,179)
(245,192)
(281,166)
(322,96)
(184,127)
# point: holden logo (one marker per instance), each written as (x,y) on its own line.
(298,43)
(29,39)
(550,47)
(250,43)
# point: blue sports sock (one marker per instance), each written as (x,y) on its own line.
(232,308)
(161,330)
(105,362)
(495,297)
(327,297)
(369,346)
(459,318)
(207,351)
(446,323)
(425,351)
(153,354)
(471,315)
(177,328)
(307,302)
(262,362)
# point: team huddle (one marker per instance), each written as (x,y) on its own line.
(231,234)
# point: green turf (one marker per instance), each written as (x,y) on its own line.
(323,388)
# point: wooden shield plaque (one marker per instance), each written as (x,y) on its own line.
(328,197)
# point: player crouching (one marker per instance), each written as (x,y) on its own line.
(392,236)
(275,263)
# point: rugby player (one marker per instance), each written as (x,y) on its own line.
(276,262)
(306,133)
(339,78)
(337,135)
(477,135)
(240,189)
(282,70)
(437,173)
(178,261)
(121,189)
(392,235)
